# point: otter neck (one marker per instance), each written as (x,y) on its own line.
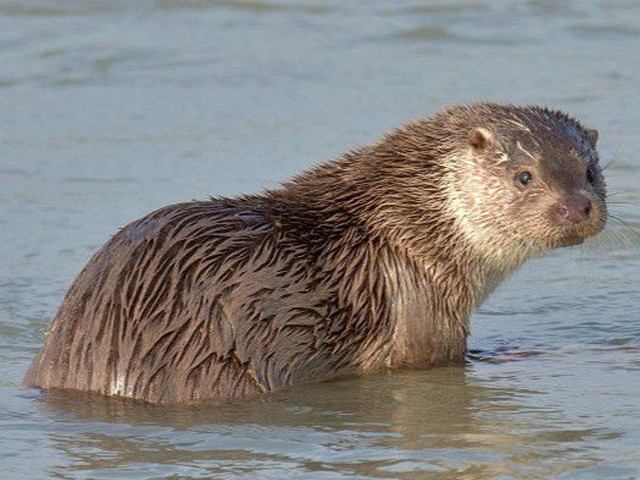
(431,279)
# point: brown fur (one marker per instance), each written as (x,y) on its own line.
(373,260)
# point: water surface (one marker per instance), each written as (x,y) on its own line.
(111,109)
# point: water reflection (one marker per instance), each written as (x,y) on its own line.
(440,421)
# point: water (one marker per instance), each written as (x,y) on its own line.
(110,109)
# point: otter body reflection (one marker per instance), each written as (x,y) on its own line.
(371,261)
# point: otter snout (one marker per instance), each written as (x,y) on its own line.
(574,208)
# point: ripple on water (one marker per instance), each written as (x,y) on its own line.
(246,5)
(46,10)
(594,32)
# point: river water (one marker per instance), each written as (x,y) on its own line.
(110,109)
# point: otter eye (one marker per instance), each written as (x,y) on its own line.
(525,177)
(591,177)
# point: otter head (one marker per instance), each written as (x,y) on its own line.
(526,180)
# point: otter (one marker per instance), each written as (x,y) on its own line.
(374,260)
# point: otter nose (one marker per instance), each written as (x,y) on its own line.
(574,208)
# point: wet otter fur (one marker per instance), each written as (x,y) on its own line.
(373,260)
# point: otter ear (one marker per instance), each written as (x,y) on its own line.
(592,136)
(480,140)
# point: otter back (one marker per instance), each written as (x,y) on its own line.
(206,300)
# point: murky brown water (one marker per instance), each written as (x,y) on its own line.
(109,109)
